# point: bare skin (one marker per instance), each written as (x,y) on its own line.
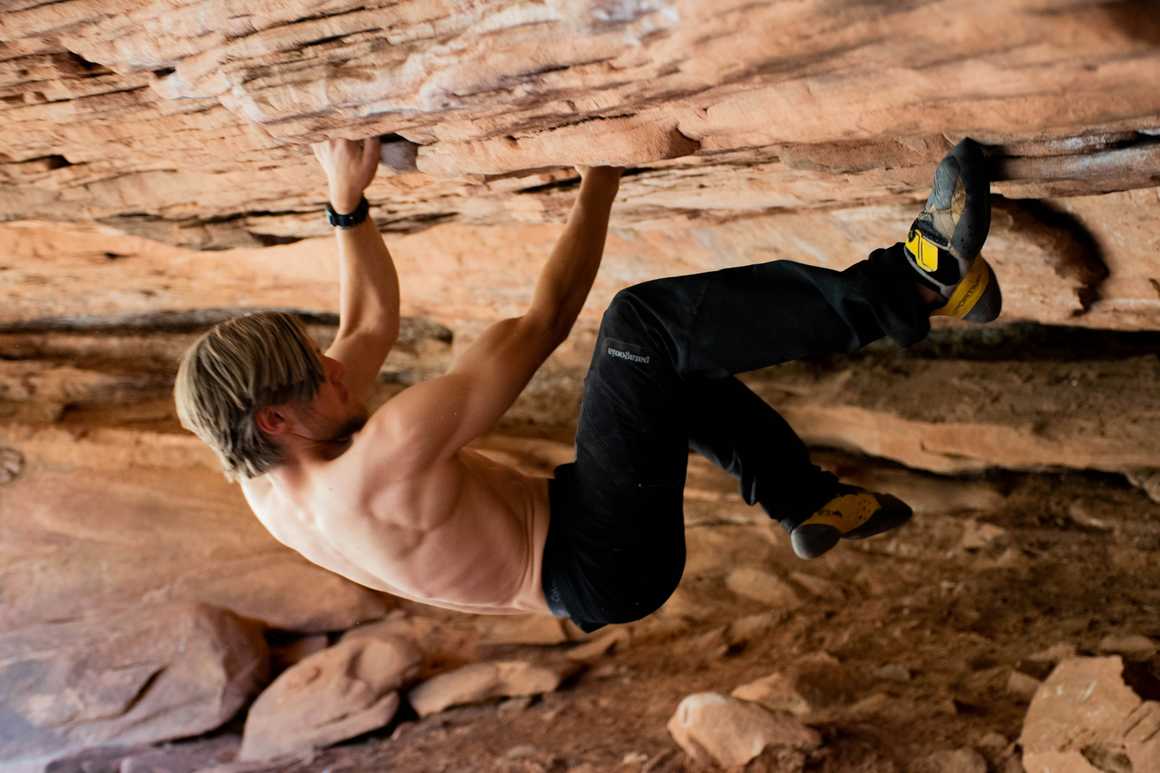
(402,505)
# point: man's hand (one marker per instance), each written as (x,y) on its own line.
(605,173)
(350,166)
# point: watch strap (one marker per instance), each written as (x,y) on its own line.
(350,220)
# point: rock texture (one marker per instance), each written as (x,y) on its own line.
(731,732)
(487,681)
(139,676)
(155,178)
(1090,714)
(330,696)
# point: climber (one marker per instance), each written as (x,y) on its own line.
(396,501)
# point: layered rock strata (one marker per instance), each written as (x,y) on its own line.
(155,178)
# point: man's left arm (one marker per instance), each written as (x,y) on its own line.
(368,283)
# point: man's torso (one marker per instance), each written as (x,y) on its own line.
(466,534)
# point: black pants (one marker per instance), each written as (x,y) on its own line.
(661,382)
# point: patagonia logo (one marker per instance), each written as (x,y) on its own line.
(620,353)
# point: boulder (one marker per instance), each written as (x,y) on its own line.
(125,677)
(1131,646)
(335,694)
(1091,710)
(1022,685)
(711,727)
(151,528)
(481,682)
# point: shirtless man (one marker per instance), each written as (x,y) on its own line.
(397,501)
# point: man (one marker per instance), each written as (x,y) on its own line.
(396,501)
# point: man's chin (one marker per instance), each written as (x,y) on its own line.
(352,425)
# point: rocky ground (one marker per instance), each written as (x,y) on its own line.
(896,651)
(155,178)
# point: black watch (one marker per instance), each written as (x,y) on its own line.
(351,220)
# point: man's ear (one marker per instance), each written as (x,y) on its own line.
(272,420)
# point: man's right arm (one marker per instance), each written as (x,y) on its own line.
(440,416)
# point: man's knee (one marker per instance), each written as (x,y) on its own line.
(657,575)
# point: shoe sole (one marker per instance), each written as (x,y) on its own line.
(809,541)
(972,228)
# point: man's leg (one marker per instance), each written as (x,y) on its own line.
(615,548)
(742,434)
(616,544)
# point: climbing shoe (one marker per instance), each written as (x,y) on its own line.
(853,513)
(943,244)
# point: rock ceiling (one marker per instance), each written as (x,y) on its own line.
(155,177)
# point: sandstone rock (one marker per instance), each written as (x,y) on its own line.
(1147,480)
(1054,654)
(1022,685)
(893,672)
(449,639)
(601,644)
(1131,646)
(131,676)
(200,540)
(161,101)
(764,587)
(288,653)
(1087,711)
(188,757)
(481,682)
(11,465)
(950,761)
(808,684)
(333,695)
(731,732)
(523,629)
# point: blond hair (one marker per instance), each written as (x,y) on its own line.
(236,368)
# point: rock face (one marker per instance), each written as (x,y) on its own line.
(330,696)
(138,676)
(199,542)
(1089,714)
(155,178)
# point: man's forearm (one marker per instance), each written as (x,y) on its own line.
(368,283)
(567,277)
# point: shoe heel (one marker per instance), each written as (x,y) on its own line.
(977,297)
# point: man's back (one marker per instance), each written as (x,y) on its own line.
(465,533)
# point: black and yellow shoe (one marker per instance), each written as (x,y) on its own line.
(944,242)
(853,513)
